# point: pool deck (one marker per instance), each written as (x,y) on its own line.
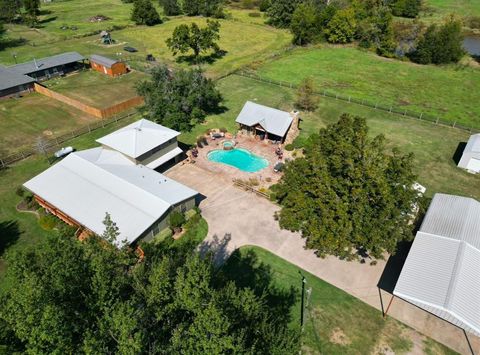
(264,149)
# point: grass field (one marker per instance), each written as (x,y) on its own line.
(449,92)
(97,89)
(438,9)
(335,322)
(433,146)
(243,43)
(34,115)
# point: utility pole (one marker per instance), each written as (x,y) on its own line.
(304,281)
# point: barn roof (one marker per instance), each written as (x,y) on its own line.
(11,79)
(87,184)
(138,138)
(106,62)
(272,120)
(47,63)
(472,150)
(441,272)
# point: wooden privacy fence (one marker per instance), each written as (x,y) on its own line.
(52,144)
(375,105)
(93,111)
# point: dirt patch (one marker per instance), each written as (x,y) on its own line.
(339,337)
(383,349)
(99,18)
(47,133)
(403,102)
(23,207)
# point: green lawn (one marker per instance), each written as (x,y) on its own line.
(97,89)
(449,92)
(23,120)
(243,43)
(335,322)
(433,146)
(438,9)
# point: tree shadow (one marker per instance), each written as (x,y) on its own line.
(217,248)
(202,59)
(46,20)
(9,234)
(245,270)
(458,152)
(12,42)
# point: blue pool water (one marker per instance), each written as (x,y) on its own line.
(239,158)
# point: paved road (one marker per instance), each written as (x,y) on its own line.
(237,218)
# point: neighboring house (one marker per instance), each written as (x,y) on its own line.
(145,142)
(85,185)
(265,121)
(12,83)
(45,68)
(442,271)
(471,155)
(108,66)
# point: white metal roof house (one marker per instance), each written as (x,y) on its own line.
(470,159)
(85,185)
(442,271)
(144,142)
(274,123)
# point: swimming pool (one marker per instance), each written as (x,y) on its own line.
(239,158)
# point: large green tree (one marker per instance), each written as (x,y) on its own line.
(186,38)
(280,12)
(342,27)
(67,296)
(207,8)
(348,195)
(171,7)
(179,99)
(304,24)
(144,13)
(32,10)
(9,9)
(440,44)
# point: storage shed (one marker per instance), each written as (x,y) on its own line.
(108,66)
(442,271)
(470,159)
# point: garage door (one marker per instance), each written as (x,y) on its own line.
(474,165)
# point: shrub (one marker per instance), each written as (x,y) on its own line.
(268,179)
(47,222)
(264,5)
(253,182)
(254,14)
(223,130)
(176,220)
(207,131)
(289,147)
(20,192)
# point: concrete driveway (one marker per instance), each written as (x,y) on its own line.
(238,218)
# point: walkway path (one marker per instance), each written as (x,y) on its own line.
(237,218)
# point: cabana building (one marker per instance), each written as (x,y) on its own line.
(442,271)
(86,185)
(111,67)
(45,68)
(470,159)
(267,122)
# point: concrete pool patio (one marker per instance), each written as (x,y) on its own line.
(238,218)
(264,149)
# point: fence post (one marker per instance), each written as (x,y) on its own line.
(405,113)
(436,121)
(390,109)
(324,94)
(73,134)
(376,104)
(421,115)
(1,162)
(336,96)
(349,99)
(454,123)
(89,129)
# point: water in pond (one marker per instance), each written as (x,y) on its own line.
(239,158)
(472,45)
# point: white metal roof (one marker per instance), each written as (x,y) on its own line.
(138,138)
(442,270)
(471,151)
(272,120)
(164,158)
(87,184)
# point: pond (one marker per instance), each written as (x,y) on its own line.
(472,45)
(239,158)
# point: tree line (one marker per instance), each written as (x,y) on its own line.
(68,296)
(370,24)
(25,11)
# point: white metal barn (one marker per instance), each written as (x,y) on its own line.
(442,271)
(471,155)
